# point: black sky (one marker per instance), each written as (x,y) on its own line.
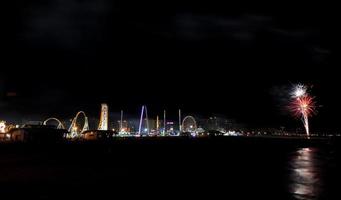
(211,57)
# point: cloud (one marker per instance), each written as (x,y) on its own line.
(242,28)
(64,23)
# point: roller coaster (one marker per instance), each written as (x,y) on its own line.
(60,124)
(76,128)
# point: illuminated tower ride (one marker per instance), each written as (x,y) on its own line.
(179,121)
(103,122)
(144,110)
(157,125)
(164,123)
(121,122)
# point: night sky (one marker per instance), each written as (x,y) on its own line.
(238,60)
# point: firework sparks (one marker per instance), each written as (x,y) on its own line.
(304,105)
(299,91)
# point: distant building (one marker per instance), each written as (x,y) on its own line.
(36,134)
(91,135)
(218,123)
(125,126)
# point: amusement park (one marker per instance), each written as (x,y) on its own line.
(79,127)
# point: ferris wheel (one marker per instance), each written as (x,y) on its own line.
(189,125)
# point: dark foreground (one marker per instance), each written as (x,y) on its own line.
(160,168)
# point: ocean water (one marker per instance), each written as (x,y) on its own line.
(210,168)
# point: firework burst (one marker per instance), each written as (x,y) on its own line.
(302,105)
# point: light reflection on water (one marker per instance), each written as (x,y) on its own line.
(305,174)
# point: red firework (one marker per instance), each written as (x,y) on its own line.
(303,106)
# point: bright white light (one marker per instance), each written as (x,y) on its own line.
(2,126)
(299,91)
